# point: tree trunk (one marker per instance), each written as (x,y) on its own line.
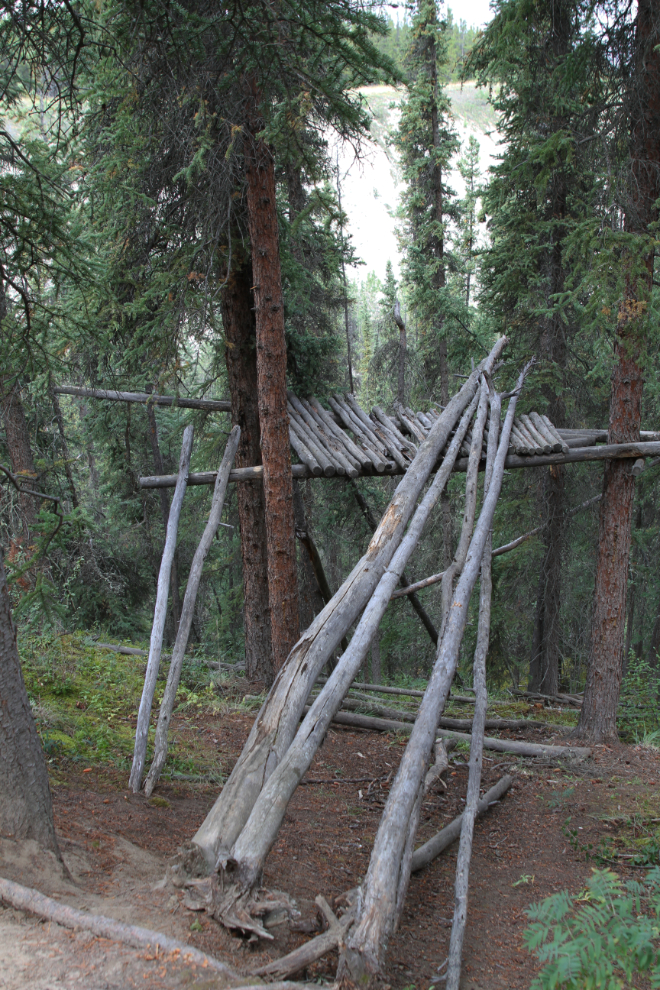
(317,592)
(271,392)
(159,468)
(401,386)
(65,447)
(545,663)
(20,453)
(601,697)
(241,358)
(26,810)
(160,614)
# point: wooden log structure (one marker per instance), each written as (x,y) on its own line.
(384,444)
(575,455)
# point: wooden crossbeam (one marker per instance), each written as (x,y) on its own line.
(578,455)
(211,405)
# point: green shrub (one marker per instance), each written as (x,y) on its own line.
(600,938)
(637,717)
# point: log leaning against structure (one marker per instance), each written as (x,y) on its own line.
(277,722)
(233,842)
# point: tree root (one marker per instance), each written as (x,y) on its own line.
(251,913)
(30,900)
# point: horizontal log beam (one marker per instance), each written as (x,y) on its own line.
(578,455)
(211,405)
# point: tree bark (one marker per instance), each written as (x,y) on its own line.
(401,386)
(159,468)
(271,390)
(20,453)
(26,810)
(241,358)
(65,447)
(601,696)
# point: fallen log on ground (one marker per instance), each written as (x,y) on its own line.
(564,699)
(32,901)
(383,688)
(160,614)
(432,849)
(277,723)
(513,746)
(520,748)
(188,611)
(445,722)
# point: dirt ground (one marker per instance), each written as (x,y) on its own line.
(117,846)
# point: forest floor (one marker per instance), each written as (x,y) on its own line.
(117,846)
(557,822)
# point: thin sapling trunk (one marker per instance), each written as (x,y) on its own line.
(160,615)
(194,578)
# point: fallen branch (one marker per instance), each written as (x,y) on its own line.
(564,699)
(313,950)
(188,611)
(32,901)
(384,711)
(160,614)
(432,849)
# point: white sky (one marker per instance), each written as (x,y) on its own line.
(475,13)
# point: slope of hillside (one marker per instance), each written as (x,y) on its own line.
(371,185)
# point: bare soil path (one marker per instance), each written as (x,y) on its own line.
(117,846)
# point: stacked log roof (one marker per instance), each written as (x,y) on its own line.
(344,440)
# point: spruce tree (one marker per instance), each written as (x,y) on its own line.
(426,142)
(535,57)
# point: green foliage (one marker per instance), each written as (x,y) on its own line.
(85,700)
(600,939)
(460,39)
(638,706)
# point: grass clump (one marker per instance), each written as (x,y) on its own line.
(85,699)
